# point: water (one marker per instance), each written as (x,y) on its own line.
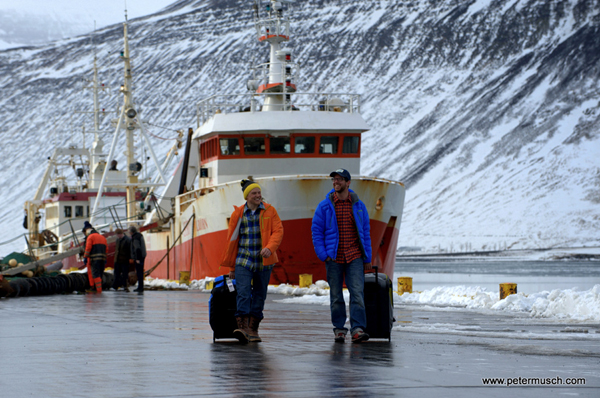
(530,276)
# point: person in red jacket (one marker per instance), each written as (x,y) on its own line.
(95,253)
(255,232)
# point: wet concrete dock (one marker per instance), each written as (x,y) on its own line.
(160,345)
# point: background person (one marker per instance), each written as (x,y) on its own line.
(95,253)
(86,225)
(138,256)
(341,236)
(255,232)
(122,257)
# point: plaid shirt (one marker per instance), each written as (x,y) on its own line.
(348,245)
(250,243)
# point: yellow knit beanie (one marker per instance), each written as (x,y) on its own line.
(247,186)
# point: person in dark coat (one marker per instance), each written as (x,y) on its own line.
(122,257)
(138,255)
(86,225)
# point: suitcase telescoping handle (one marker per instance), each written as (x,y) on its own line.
(376,268)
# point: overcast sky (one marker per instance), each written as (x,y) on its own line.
(24,22)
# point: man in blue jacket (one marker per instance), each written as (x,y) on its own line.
(342,239)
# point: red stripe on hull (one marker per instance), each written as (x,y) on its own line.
(296,254)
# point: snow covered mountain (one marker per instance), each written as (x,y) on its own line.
(36,22)
(487,110)
(21,29)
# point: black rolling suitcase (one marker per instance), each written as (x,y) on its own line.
(379,305)
(221,308)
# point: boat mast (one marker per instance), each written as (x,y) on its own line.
(275,29)
(130,120)
(96,164)
(130,125)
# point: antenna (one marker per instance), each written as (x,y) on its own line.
(125,1)
(93,38)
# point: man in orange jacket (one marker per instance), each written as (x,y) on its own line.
(95,253)
(255,233)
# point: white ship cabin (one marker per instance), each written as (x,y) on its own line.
(70,203)
(67,209)
(236,142)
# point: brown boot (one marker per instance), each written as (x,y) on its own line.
(242,332)
(253,325)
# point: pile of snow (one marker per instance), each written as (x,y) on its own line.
(455,296)
(319,288)
(569,304)
(166,284)
(562,304)
(203,285)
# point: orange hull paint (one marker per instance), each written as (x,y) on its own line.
(296,254)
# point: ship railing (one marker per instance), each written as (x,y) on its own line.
(185,200)
(292,101)
(272,26)
(67,241)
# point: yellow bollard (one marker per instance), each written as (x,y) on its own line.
(404,285)
(305,280)
(208,285)
(184,277)
(506,289)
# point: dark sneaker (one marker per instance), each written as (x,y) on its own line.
(340,337)
(359,336)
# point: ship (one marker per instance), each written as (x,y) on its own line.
(288,142)
(86,184)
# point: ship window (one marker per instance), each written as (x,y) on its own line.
(87,211)
(78,211)
(350,145)
(304,145)
(254,145)
(230,146)
(329,145)
(280,145)
(68,211)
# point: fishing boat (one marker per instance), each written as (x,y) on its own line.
(85,184)
(287,141)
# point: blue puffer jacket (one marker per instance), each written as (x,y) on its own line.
(325,230)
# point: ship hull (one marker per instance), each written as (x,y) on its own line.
(200,230)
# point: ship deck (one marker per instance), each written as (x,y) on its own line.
(159,344)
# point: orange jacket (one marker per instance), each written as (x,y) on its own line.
(271,235)
(95,247)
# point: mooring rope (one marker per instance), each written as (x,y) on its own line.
(193,217)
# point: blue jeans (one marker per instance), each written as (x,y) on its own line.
(251,295)
(355,282)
